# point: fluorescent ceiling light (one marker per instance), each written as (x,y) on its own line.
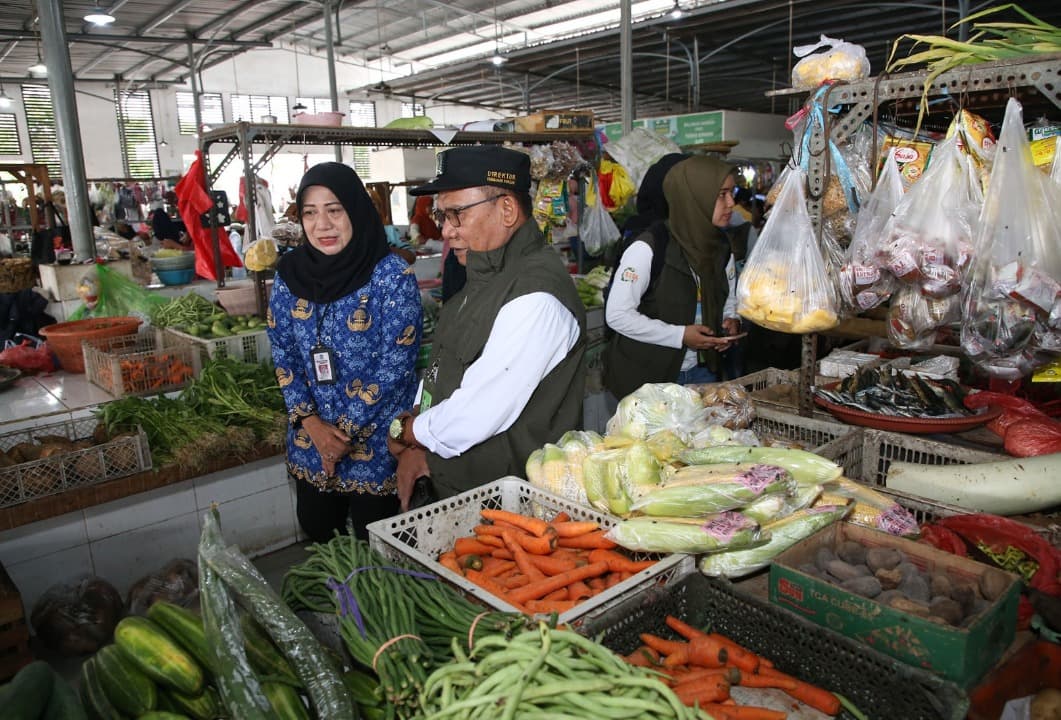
(99,16)
(498,59)
(38,68)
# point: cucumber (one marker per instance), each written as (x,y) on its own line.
(127,687)
(205,707)
(63,704)
(185,627)
(93,697)
(157,656)
(25,697)
(162,715)
(363,688)
(287,703)
(265,657)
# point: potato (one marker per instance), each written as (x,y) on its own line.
(1046,705)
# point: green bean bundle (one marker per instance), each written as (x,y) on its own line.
(185,310)
(546,673)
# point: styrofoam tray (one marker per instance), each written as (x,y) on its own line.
(421,535)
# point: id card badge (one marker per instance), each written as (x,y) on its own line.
(323,365)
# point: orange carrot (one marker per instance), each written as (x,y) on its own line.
(702,691)
(487,583)
(818,698)
(578,590)
(521,558)
(741,712)
(515,580)
(758,680)
(706,652)
(560,594)
(683,628)
(740,656)
(471,546)
(589,541)
(612,579)
(730,675)
(531,543)
(560,517)
(470,561)
(551,565)
(501,553)
(549,606)
(662,645)
(617,562)
(532,525)
(573,528)
(536,590)
(493,566)
(644,656)
(487,539)
(448,560)
(595,584)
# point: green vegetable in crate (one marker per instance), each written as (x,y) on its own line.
(93,696)
(806,467)
(784,533)
(126,685)
(286,703)
(769,508)
(363,688)
(157,655)
(264,656)
(724,531)
(27,694)
(185,627)
(206,706)
(697,490)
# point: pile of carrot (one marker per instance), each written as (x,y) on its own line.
(702,666)
(148,373)
(539,566)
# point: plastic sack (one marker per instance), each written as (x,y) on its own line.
(698,490)
(655,407)
(550,203)
(784,285)
(727,404)
(913,318)
(863,284)
(638,151)
(261,255)
(596,229)
(784,533)
(177,582)
(839,61)
(1014,282)
(118,296)
(614,478)
(724,531)
(29,356)
(870,508)
(77,618)
(558,468)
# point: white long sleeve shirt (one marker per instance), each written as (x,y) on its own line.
(530,336)
(631,284)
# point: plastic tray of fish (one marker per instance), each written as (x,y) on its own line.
(891,391)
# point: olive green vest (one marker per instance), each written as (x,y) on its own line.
(628,363)
(524,265)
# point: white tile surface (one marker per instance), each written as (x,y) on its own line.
(137,511)
(74,390)
(123,559)
(28,398)
(33,577)
(259,522)
(43,537)
(237,482)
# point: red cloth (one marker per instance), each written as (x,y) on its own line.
(241,209)
(192,201)
(422,217)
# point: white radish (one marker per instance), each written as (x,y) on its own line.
(1006,487)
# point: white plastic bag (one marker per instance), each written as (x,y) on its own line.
(840,61)
(1016,277)
(596,229)
(784,285)
(639,150)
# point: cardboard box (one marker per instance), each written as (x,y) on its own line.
(555,121)
(959,654)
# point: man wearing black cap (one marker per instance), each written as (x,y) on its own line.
(506,372)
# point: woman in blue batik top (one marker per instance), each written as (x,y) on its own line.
(344,323)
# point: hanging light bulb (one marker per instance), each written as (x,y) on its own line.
(676,13)
(99,16)
(39,69)
(498,59)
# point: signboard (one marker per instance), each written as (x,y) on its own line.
(692,129)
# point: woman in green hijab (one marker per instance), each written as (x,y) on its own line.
(669,324)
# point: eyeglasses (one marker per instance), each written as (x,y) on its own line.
(453,215)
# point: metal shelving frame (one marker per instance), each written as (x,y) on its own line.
(242,136)
(861,101)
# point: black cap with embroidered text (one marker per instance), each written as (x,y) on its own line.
(478,165)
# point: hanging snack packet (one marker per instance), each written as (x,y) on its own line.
(1014,285)
(784,285)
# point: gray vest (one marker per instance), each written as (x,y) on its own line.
(523,265)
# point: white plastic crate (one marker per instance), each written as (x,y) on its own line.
(422,534)
(867,455)
(810,433)
(139,365)
(251,347)
(754,382)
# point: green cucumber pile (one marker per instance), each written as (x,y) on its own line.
(196,316)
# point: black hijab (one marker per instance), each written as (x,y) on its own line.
(321,278)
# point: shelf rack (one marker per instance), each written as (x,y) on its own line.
(975,86)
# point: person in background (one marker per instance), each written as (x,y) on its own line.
(671,305)
(421,218)
(398,245)
(168,231)
(506,373)
(344,323)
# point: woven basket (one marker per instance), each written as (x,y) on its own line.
(16,274)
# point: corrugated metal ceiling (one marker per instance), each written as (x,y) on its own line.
(720,54)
